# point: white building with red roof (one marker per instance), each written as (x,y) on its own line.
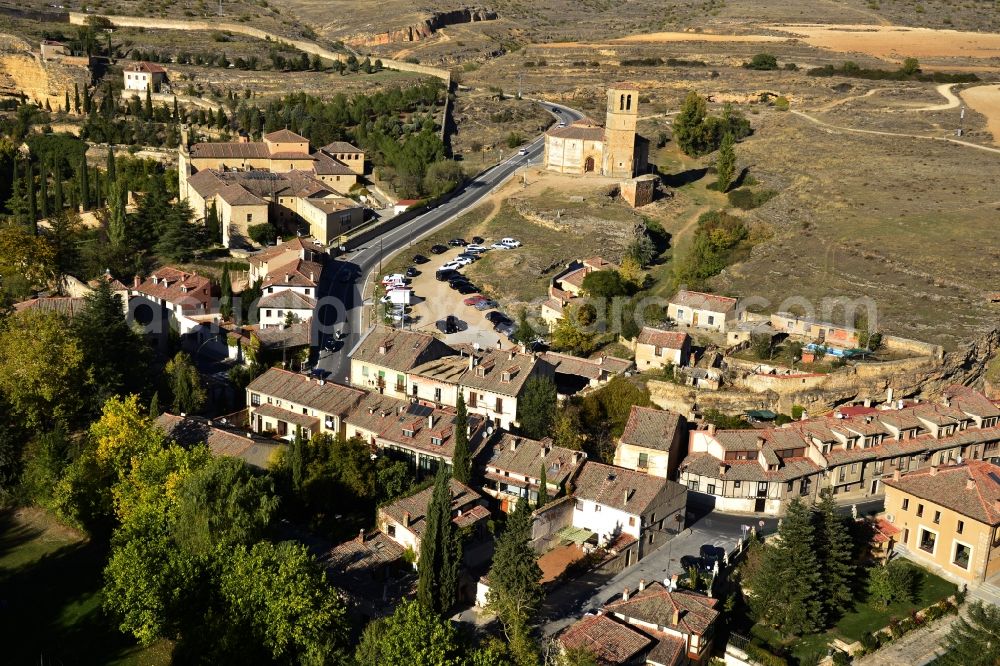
(185,301)
(701,310)
(143,76)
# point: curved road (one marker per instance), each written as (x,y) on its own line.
(345,300)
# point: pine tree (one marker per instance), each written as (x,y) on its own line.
(76,98)
(515,584)
(725,166)
(84,184)
(786,587)
(834,550)
(688,124)
(43,189)
(974,638)
(226,294)
(543,488)
(58,203)
(461,467)
(440,551)
(185,384)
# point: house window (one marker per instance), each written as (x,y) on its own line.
(436,441)
(579,505)
(267,313)
(906,535)
(843,474)
(249,217)
(254,399)
(680,313)
(711,320)
(693,485)
(391,531)
(906,504)
(737,484)
(407,433)
(928,541)
(364,371)
(937,517)
(920,510)
(711,489)
(631,521)
(413,390)
(657,351)
(854,468)
(305,411)
(499,405)
(961,526)
(643,461)
(962,555)
(437,395)
(597,507)
(790,487)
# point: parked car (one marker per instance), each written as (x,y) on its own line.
(444,275)
(463,261)
(510,242)
(412,272)
(453,266)
(466,289)
(471,256)
(711,555)
(474,300)
(522,152)
(563,124)
(395,277)
(457,242)
(497,317)
(478,240)
(475,249)
(420,259)
(487,304)
(505,328)
(451,324)
(499,246)
(439,249)
(689,561)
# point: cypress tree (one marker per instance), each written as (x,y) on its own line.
(148,110)
(226,294)
(296,460)
(543,484)
(834,550)
(440,551)
(76,98)
(177,115)
(110,171)
(84,184)
(98,190)
(29,182)
(212,225)
(154,405)
(43,188)
(116,217)
(461,461)
(725,166)
(58,194)
(88,104)
(66,108)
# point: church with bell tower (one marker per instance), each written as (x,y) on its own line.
(614,150)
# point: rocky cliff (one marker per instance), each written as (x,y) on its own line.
(424,28)
(921,377)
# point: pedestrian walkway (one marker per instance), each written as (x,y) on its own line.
(917,648)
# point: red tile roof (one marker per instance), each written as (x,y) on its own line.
(326,397)
(656,605)
(661,338)
(624,489)
(702,301)
(610,641)
(285,136)
(466,508)
(651,428)
(971,489)
(190,291)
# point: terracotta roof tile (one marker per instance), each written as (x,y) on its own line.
(524,457)
(651,428)
(287,299)
(950,487)
(623,489)
(326,397)
(397,349)
(661,338)
(655,605)
(608,640)
(466,507)
(702,301)
(285,136)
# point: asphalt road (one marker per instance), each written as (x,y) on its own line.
(341,303)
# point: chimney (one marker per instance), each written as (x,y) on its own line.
(382,349)
(136,281)
(896,475)
(722,469)
(934,470)
(970,484)
(642,584)
(513,354)
(760,442)
(514,442)
(711,428)
(868,402)
(430,420)
(673,582)
(361,536)
(625,595)
(543,451)
(472,361)
(498,345)
(288,277)
(406,519)
(505,377)
(676,617)
(576,457)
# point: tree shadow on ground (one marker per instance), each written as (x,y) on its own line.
(683,178)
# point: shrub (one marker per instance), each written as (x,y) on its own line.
(747,199)
(263,234)
(762,61)
(781,103)
(870,642)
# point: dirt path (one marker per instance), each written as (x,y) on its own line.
(945,90)
(840,128)
(986,100)
(838,102)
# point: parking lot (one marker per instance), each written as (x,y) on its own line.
(433,301)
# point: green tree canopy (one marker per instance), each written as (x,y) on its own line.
(413,635)
(974,638)
(605,284)
(536,410)
(461,461)
(440,551)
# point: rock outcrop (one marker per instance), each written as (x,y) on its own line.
(923,377)
(425,28)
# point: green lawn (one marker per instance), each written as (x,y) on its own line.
(50,580)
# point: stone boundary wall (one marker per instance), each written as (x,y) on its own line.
(548,520)
(169,99)
(77,18)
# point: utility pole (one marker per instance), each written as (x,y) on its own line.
(520,78)
(961,121)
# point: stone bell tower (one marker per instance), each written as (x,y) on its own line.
(619,132)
